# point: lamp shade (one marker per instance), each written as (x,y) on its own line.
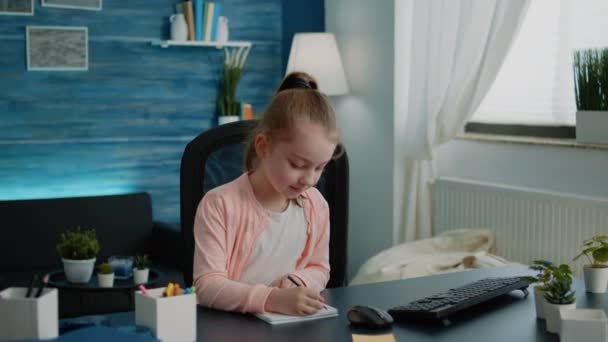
(317,55)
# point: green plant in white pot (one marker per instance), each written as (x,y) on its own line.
(141,270)
(559,296)
(591,92)
(542,279)
(231,73)
(595,272)
(78,250)
(105,275)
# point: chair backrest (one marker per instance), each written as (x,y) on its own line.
(215,157)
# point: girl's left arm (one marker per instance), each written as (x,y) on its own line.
(315,274)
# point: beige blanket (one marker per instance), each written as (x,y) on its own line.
(451,251)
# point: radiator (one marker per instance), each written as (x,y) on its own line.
(528,223)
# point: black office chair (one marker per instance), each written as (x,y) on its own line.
(215,157)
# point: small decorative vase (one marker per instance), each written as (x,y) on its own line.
(179,29)
(222,29)
(596,279)
(224,119)
(141,276)
(105,280)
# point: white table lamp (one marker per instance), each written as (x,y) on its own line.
(317,55)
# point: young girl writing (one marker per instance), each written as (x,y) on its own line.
(262,240)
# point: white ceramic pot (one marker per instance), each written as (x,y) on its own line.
(552,315)
(140,276)
(539,302)
(226,119)
(105,280)
(595,278)
(591,126)
(78,271)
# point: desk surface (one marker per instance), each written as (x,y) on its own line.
(508,318)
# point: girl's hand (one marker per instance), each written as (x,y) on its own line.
(296,301)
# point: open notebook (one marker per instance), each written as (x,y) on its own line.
(274,318)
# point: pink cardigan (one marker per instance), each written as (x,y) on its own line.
(228,221)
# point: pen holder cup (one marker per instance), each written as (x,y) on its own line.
(28,318)
(589,325)
(170,318)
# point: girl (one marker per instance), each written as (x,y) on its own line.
(262,240)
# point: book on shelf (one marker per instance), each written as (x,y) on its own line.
(216,15)
(199,9)
(189,15)
(208,21)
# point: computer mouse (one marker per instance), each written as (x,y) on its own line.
(369,317)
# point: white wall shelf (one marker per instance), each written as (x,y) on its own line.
(219,45)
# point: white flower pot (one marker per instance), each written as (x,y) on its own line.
(589,325)
(539,302)
(226,119)
(552,315)
(591,126)
(78,271)
(105,280)
(140,276)
(596,279)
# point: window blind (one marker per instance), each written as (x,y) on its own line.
(535,84)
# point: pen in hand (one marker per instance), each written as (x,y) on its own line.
(298,285)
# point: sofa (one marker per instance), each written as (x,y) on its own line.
(124,226)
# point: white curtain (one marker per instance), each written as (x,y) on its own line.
(447,54)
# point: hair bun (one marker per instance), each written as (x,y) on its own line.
(298,80)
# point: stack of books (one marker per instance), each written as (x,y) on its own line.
(201,18)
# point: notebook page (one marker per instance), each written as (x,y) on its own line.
(275,318)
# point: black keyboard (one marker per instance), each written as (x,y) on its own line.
(441,306)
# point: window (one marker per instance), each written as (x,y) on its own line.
(534,90)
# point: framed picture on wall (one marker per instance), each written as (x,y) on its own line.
(57,48)
(93,5)
(16,7)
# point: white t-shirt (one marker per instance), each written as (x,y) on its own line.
(278,247)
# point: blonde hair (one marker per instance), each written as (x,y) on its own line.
(297,97)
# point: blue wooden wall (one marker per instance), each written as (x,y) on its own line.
(121,126)
(300,16)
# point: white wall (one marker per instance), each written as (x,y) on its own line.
(364,32)
(552,168)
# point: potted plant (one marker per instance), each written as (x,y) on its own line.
(231,73)
(559,296)
(591,92)
(78,250)
(596,271)
(141,271)
(105,275)
(542,278)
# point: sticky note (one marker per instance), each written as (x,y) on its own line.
(374,338)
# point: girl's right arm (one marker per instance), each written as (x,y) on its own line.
(213,287)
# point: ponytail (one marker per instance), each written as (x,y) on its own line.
(296,97)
